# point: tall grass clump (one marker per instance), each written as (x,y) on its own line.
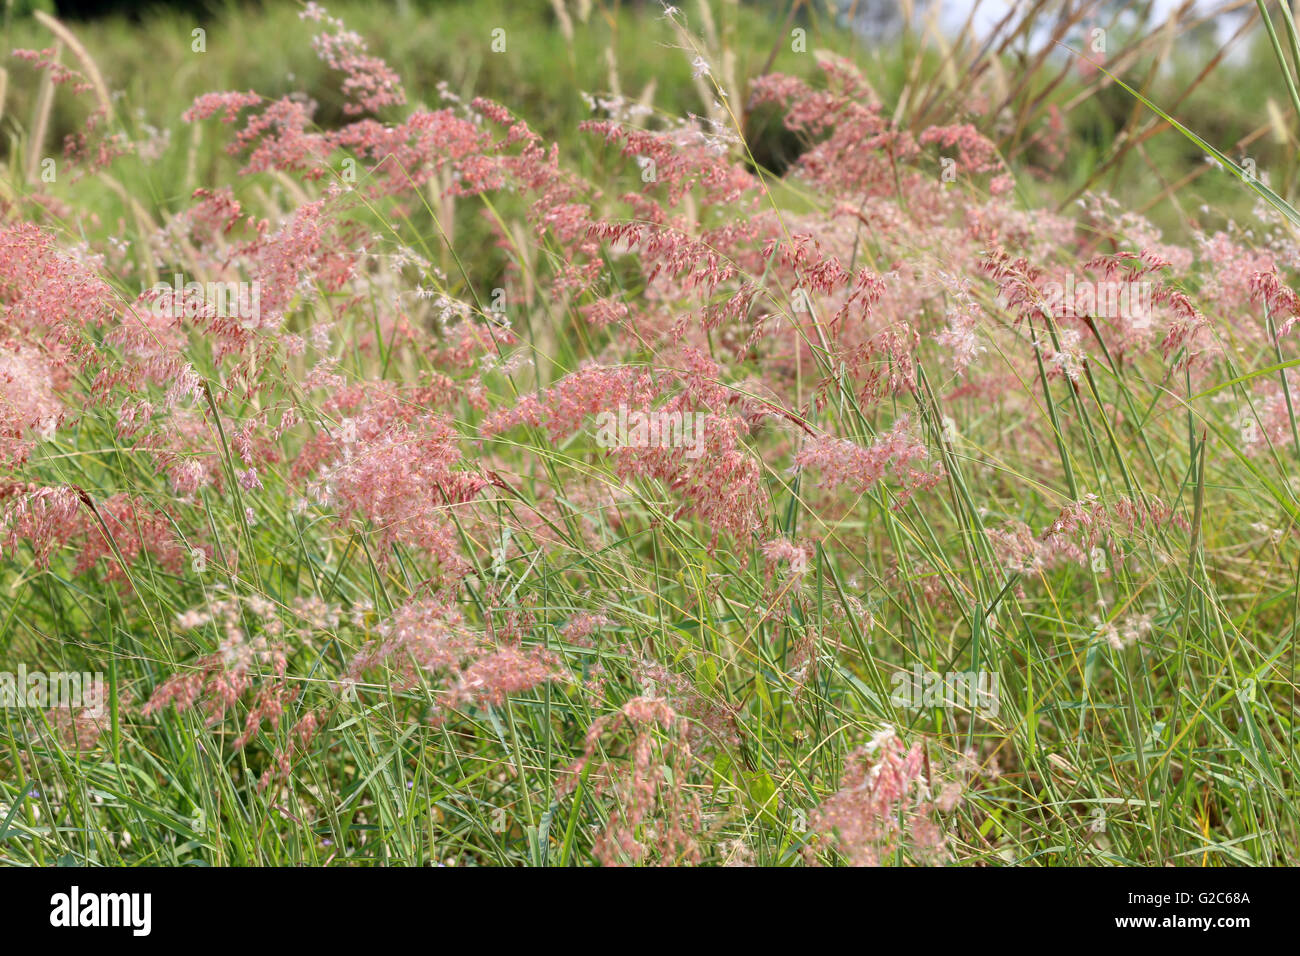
(428,492)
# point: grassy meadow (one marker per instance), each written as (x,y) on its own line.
(575,433)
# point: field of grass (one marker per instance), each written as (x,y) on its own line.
(570,434)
